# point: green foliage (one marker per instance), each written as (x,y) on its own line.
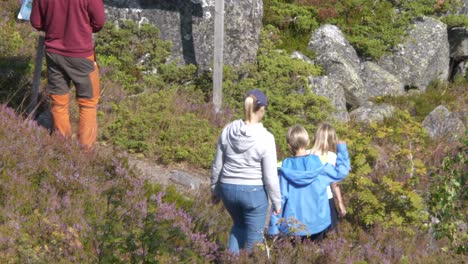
(448,198)
(387,168)
(151,123)
(421,104)
(162,124)
(372,27)
(295,22)
(455,21)
(135,56)
(17,52)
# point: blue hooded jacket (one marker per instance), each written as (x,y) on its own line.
(304,200)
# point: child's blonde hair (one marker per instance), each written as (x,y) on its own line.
(325,139)
(297,138)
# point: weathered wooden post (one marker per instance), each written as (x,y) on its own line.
(25,14)
(37,75)
(218,55)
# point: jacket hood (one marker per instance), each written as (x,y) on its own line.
(242,137)
(300,177)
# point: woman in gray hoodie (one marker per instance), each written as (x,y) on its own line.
(244,173)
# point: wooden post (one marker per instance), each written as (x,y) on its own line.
(37,74)
(218,55)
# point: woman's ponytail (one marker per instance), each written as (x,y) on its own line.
(249,107)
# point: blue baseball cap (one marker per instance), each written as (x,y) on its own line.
(261,97)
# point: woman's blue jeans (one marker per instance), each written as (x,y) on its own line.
(247,205)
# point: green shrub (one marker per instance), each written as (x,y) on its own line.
(421,104)
(386,171)
(151,123)
(372,27)
(17,54)
(165,125)
(455,21)
(448,198)
(135,57)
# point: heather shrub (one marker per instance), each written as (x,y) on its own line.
(380,246)
(85,208)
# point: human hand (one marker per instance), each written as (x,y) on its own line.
(215,199)
(342,210)
(277,211)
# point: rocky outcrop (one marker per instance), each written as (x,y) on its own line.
(458,39)
(189,25)
(461,68)
(442,124)
(155,173)
(327,87)
(423,57)
(340,62)
(370,112)
(462,7)
(379,82)
(298,55)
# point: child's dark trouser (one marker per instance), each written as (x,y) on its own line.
(84,74)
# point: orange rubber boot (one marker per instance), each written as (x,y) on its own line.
(60,113)
(87,131)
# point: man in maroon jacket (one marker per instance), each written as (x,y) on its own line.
(68,27)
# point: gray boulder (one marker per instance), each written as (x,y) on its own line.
(462,8)
(423,57)
(298,55)
(370,112)
(379,82)
(189,25)
(185,179)
(443,124)
(458,39)
(327,87)
(340,61)
(461,69)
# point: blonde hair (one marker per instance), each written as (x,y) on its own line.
(297,138)
(325,139)
(250,107)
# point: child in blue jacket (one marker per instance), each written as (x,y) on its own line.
(324,145)
(303,184)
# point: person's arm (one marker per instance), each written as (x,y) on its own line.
(216,167)
(337,195)
(36,19)
(270,174)
(343,165)
(97,15)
